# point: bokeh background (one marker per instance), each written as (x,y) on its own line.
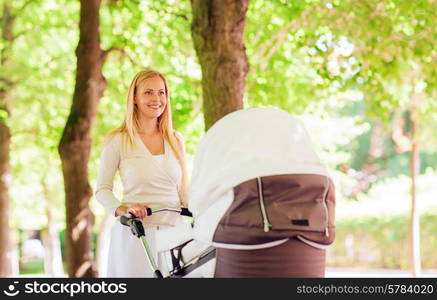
(360,75)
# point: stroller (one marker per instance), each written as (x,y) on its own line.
(259,192)
(184,257)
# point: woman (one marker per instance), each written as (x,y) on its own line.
(262,197)
(150,158)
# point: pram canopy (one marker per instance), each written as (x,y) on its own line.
(260,161)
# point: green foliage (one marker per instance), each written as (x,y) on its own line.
(32,268)
(284,70)
(43,67)
(381,242)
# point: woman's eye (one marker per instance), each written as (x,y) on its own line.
(161,93)
(148,92)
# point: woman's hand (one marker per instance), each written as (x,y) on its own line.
(137,209)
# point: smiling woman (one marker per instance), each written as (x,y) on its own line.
(150,157)
(150,98)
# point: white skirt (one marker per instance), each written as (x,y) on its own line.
(127,256)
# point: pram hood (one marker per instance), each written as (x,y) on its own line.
(243,145)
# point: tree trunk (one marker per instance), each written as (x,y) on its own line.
(6,257)
(414,216)
(217,32)
(52,247)
(75,144)
(5,246)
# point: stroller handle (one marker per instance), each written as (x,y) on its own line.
(127,219)
(182,211)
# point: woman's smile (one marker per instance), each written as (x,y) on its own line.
(154,106)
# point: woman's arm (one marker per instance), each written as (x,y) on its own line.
(182,192)
(109,162)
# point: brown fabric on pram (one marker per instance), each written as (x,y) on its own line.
(295,204)
(290,259)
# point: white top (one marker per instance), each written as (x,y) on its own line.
(245,144)
(144,179)
(159,158)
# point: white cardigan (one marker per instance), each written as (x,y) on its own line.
(243,145)
(144,179)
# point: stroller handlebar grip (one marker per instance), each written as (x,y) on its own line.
(186,212)
(126,219)
(135,225)
(182,211)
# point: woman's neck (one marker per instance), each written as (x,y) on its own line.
(148,126)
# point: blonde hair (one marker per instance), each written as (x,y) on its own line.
(131,126)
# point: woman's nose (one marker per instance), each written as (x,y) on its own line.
(154,96)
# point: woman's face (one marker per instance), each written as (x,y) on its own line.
(150,97)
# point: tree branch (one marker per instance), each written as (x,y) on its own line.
(269,47)
(21,9)
(119,50)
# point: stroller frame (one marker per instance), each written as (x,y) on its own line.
(178,270)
